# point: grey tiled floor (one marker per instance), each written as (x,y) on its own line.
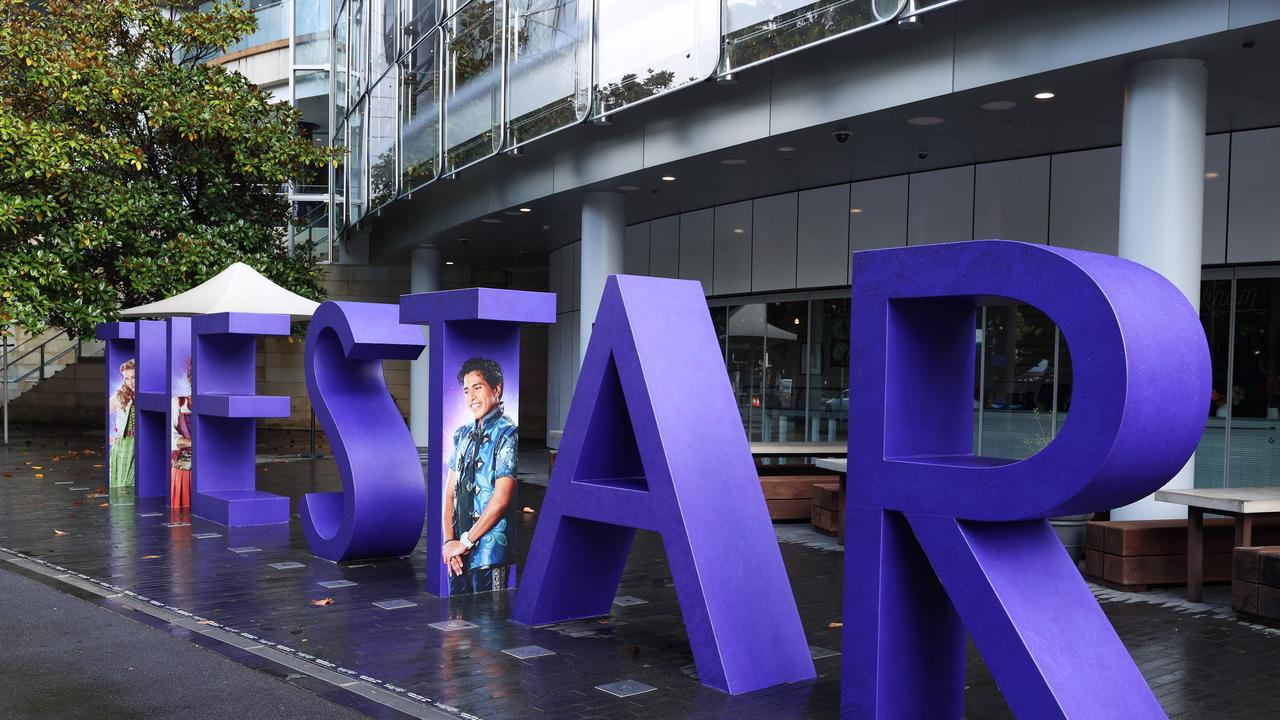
(1199,660)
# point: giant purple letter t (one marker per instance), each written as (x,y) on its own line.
(946,540)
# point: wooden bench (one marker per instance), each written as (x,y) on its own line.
(1135,554)
(826,511)
(790,496)
(1255,583)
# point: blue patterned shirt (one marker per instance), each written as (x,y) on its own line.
(490,447)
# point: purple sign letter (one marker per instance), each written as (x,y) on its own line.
(152,434)
(654,441)
(225,407)
(380,510)
(921,502)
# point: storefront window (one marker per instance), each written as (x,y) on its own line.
(1253,441)
(827,370)
(745,330)
(1215,316)
(1021,353)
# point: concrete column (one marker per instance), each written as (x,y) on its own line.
(603,226)
(424,276)
(1162,196)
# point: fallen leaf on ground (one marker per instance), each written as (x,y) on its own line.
(78,503)
(8,474)
(322,602)
(58,532)
(528,509)
(150,557)
(97,465)
(204,622)
(39,475)
(105,505)
(37,467)
(835,625)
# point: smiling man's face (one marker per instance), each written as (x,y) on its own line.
(481,397)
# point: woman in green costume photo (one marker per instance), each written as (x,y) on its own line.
(123,420)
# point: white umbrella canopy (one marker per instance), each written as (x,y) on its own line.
(239,288)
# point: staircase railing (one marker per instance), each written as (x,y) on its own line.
(12,358)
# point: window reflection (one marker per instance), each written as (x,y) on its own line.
(786,334)
(1215,316)
(311,29)
(383,33)
(472,84)
(646,49)
(745,331)
(1022,350)
(548,66)
(383,110)
(420,114)
(358,57)
(311,98)
(340,30)
(419,17)
(756,30)
(355,164)
(1254,450)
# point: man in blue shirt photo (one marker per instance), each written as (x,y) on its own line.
(481,486)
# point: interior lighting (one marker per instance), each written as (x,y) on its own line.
(738,231)
(924,120)
(999,105)
(448,262)
(668,178)
(733,161)
(1211,174)
(491,221)
(1046,95)
(526,210)
(855,211)
(796,321)
(785,148)
(628,188)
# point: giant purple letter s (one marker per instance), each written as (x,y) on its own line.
(920,502)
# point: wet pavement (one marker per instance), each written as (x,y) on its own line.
(369,636)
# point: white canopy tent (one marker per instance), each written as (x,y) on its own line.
(239,288)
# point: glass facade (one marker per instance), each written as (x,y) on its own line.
(472,78)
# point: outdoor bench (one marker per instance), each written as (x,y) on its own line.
(1135,554)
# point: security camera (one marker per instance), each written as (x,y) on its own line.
(842,136)
(922,155)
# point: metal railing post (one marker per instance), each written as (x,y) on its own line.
(42,361)
(4,340)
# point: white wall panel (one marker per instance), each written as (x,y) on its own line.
(664,247)
(731,265)
(1253,234)
(822,242)
(1084,200)
(1217,166)
(697,247)
(941,206)
(773,247)
(635,249)
(1011,200)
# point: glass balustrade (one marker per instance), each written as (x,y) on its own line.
(420,114)
(548,67)
(472,83)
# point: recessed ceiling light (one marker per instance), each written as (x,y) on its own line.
(733,161)
(668,178)
(925,120)
(464,241)
(1046,95)
(855,210)
(510,212)
(999,105)
(738,231)
(1211,174)
(491,221)
(628,188)
(546,227)
(785,148)
(526,210)
(448,262)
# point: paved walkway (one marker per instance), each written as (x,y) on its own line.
(253,589)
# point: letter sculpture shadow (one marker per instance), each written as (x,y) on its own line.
(383,502)
(654,441)
(921,503)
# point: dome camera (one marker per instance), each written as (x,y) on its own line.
(922,155)
(842,136)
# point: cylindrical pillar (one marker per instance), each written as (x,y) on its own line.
(1162,197)
(424,276)
(603,226)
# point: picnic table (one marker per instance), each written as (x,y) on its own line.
(1243,504)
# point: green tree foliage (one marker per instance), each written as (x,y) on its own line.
(130,168)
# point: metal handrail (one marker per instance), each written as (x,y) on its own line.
(44,363)
(39,348)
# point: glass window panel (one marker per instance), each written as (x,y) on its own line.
(548,66)
(383,32)
(720,321)
(419,17)
(358,57)
(745,330)
(383,112)
(311,229)
(420,114)
(646,49)
(271,27)
(755,30)
(828,370)
(786,333)
(1215,316)
(355,164)
(340,49)
(1020,359)
(1254,450)
(311,29)
(472,84)
(311,98)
